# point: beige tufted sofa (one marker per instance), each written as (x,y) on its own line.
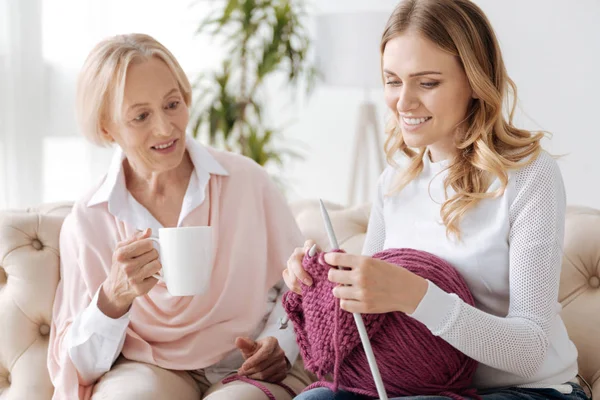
(29,273)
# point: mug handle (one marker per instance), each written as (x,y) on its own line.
(159,275)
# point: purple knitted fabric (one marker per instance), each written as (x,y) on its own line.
(412,361)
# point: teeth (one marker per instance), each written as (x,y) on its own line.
(414,121)
(164,146)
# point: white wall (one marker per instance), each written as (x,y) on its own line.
(552,52)
(66,43)
(551,48)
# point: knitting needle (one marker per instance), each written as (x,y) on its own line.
(362,331)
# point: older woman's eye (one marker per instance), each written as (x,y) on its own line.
(142,117)
(173,105)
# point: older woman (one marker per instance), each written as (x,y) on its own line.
(116,330)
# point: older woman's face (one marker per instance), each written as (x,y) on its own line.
(151,131)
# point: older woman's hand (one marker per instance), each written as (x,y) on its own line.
(134,262)
(294,273)
(265,359)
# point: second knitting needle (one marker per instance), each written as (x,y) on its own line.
(362,331)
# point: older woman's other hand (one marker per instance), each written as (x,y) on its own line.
(265,359)
(294,273)
(134,262)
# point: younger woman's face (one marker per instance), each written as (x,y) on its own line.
(428,92)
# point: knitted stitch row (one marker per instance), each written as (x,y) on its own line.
(412,361)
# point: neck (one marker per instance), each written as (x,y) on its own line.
(158,183)
(440,152)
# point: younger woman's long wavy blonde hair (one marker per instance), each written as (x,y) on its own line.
(489,145)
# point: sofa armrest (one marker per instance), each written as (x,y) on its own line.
(29,274)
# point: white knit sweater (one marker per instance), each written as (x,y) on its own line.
(510,255)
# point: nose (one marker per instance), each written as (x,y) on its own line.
(162,125)
(407,100)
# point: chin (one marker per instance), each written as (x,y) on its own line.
(172,162)
(415,141)
(177,160)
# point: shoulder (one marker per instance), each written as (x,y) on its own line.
(238,165)
(537,185)
(243,172)
(542,165)
(541,171)
(85,221)
(392,171)
(386,178)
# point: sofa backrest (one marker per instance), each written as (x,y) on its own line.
(29,274)
(580,289)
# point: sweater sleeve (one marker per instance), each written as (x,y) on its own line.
(95,341)
(285,337)
(517,343)
(71,299)
(283,235)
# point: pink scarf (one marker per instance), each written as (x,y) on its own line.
(255,233)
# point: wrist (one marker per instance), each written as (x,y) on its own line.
(419,289)
(111,305)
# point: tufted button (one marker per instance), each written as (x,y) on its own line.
(37,244)
(595,282)
(44,329)
(3,277)
(4,381)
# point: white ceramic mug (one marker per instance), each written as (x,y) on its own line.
(186,255)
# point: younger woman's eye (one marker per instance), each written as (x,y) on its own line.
(142,117)
(393,83)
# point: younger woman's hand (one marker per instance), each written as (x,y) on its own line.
(294,273)
(371,286)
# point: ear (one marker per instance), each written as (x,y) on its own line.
(474,95)
(107,136)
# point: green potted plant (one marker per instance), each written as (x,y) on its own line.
(262,38)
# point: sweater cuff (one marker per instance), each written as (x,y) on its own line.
(286,337)
(437,310)
(96,321)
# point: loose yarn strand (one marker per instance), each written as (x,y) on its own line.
(412,361)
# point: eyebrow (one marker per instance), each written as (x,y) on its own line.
(174,90)
(415,74)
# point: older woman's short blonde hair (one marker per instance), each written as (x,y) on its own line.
(101,83)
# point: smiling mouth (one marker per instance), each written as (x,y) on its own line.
(415,121)
(164,146)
